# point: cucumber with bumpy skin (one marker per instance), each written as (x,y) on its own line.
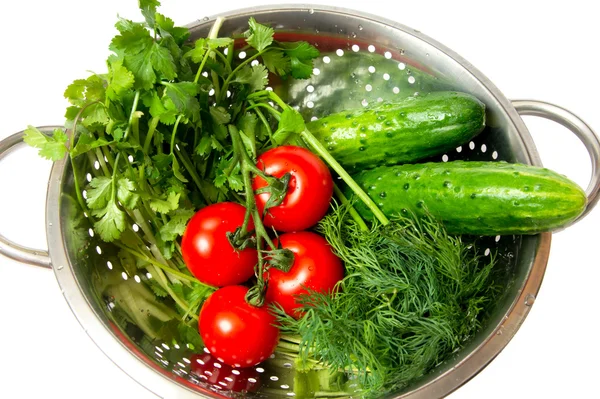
(480,198)
(405,131)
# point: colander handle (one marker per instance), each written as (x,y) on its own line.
(590,140)
(36,257)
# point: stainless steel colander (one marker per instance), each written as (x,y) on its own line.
(364,60)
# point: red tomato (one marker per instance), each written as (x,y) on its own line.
(222,376)
(315,267)
(207,252)
(309,191)
(235,332)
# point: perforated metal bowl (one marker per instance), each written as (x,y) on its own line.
(364,59)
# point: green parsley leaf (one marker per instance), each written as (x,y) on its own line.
(145,58)
(75,92)
(301,56)
(87,142)
(167,28)
(99,192)
(162,162)
(168,116)
(177,172)
(165,205)
(95,114)
(120,79)
(220,180)
(190,335)
(247,123)
(291,122)
(276,61)
(148,9)
(204,146)
(34,137)
(301,50)
(84,91)
(157,289)
(183,95)
(126,193)
(53,148)
(111,222)
(301,69)
(175,227)
(235,182)
(219,42)
(256,76)
(220,115)
(197,53)
(259,36)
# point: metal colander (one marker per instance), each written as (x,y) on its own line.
(363,60)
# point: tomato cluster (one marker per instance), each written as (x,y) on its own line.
(236,332)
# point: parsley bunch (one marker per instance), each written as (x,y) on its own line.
(171,127)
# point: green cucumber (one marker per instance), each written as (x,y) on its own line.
(477,197)
(405,131)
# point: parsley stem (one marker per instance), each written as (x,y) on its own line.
(201,67)
(108,156)
(277,99)
(272,110)
(353,213)
(102,162)
(174,134)
(114,175)
(151,129)
(323,153)
(237,69)
(136,98)
(224,59)
(162,266)
(187,164)
(263,120)
(230,49)
(212,34)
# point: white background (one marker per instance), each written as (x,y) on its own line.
(529,49)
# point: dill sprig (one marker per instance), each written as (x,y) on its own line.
(412,295)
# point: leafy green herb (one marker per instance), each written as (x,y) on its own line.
(259,36)
(412,296)
(53,148)
(175,227)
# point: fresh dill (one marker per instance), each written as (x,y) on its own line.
(412,295)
